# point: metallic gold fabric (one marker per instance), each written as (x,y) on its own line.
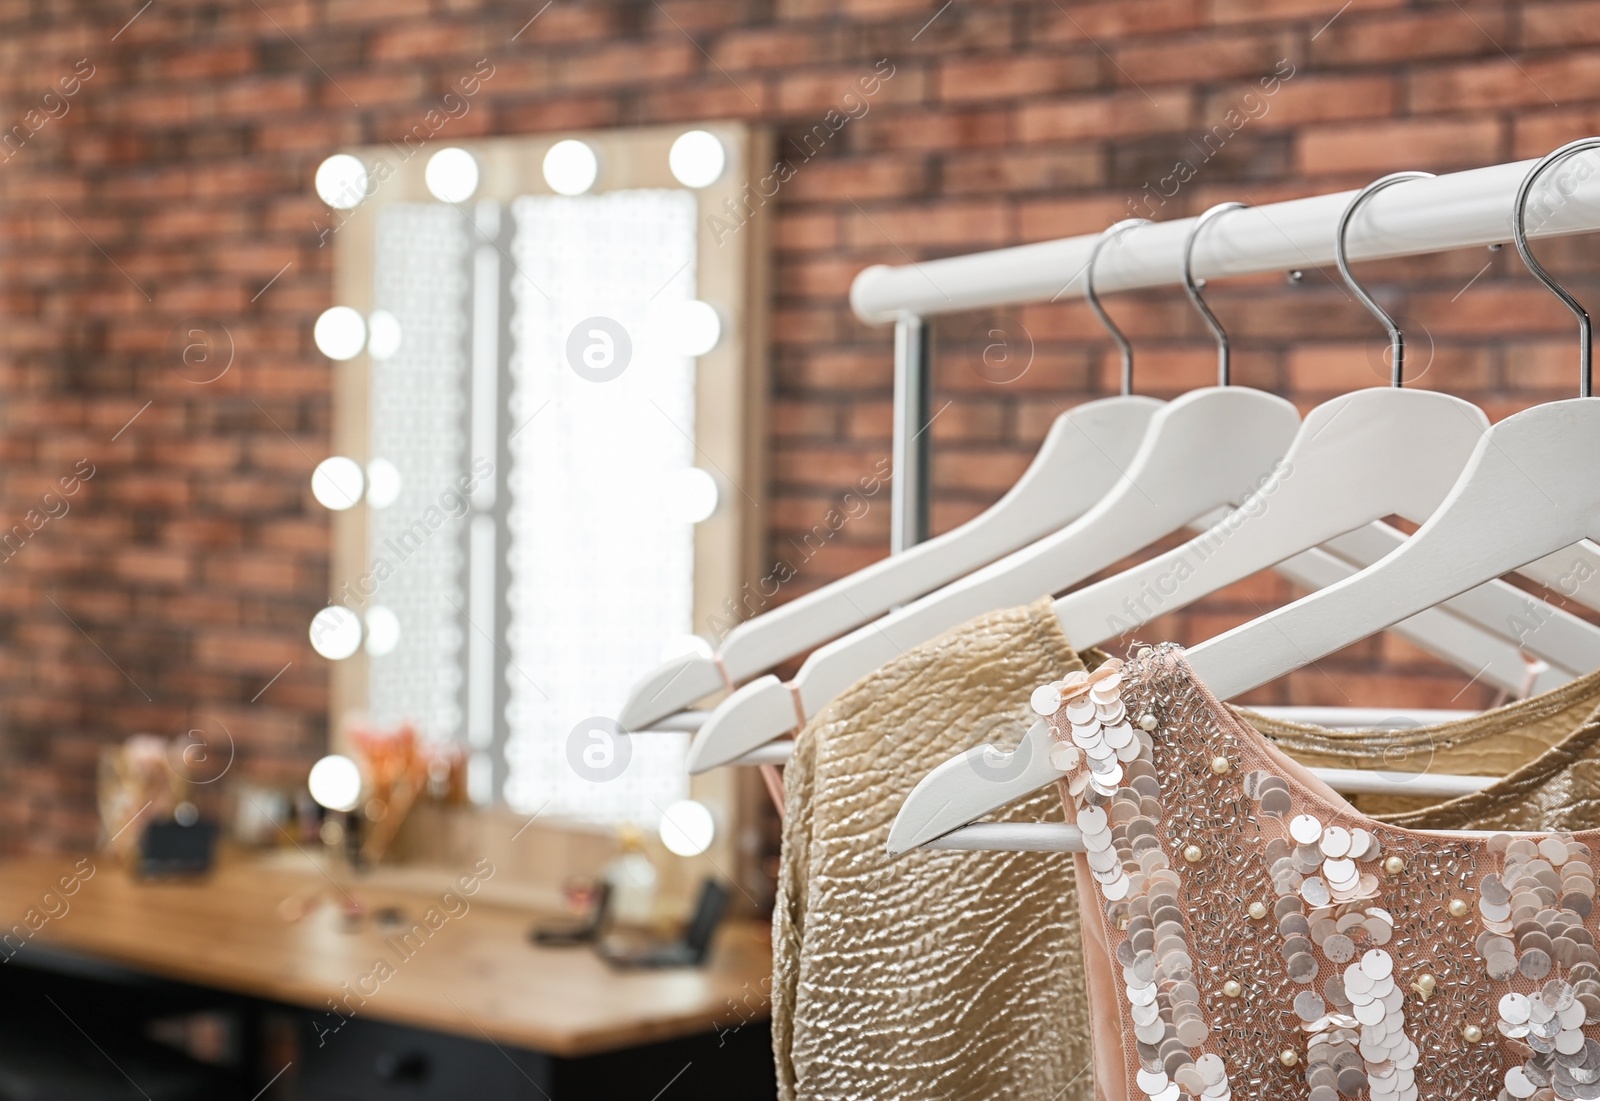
(1541,746)
(961,974)
(953,975)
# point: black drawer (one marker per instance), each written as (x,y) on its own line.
(370,1059)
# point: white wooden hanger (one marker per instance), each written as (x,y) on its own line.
(1492,660)
(1358,458)
(1346,448)
(1203,450)
(1083,455)
(1528,491)
(766,708)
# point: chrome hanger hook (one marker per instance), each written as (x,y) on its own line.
(1519,235)
(1224,352)
(1104,239)
(1397,340)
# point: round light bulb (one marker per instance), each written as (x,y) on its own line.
(571,167)
(342,181)
(697,159)
(383,334)
(340,333)
(336,632)
(696,327)
(383,631)
(687,828)
(337,483)
(335,783)
(383,483)
(690,495)
(451,175)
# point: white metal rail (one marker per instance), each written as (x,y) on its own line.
(1458,210)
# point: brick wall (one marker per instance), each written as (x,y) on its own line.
(170,193)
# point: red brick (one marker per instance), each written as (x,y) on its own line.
(1428,143)
(1208,58)
(629,63)
(1115,19)
(1014,76)
(766,48)
(1499,83)
(1304,97)
(969,225)
(1241,11)
(858,178)
(1118,114)
(1560,24)
(1065,168)
(1370,39)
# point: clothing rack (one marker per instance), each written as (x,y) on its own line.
(1458,210)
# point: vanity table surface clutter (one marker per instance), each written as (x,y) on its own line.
(452,988)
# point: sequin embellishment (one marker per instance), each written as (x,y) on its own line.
(1111,779)
(1379,994)
(1532,915)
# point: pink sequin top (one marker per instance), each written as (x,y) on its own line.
(1248,932)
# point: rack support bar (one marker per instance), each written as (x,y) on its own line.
(1458,210)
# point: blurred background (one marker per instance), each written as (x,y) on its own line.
(178,234)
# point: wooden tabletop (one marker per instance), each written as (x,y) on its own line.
(475,976)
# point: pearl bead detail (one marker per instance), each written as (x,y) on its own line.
(1221,766)
(1394,865)
(1258,910)
(1193,853)
(1289,1057)
(1424,985)
(1472,1034)
(1148,722)
(1460,907)
(1232,988)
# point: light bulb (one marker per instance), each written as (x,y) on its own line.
(383,631)
(337,483)
(335,783)
(451,175)
(336,632)
(687,828)
(383,334)
(695,327)
(571,167)
(383,483)
(689,495)
(697,159)
(342,181)
(340,333)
